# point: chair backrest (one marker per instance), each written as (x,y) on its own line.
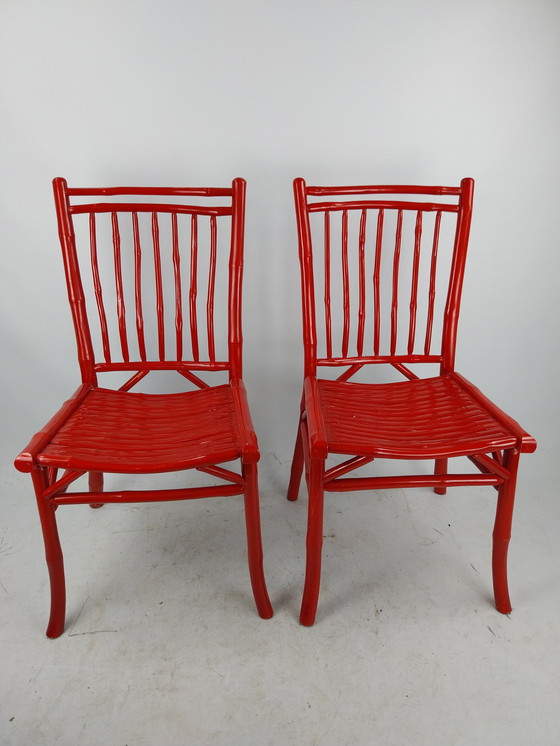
(154,277)
(387,262)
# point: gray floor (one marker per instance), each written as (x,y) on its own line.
(163,644)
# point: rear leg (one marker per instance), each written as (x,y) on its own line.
(441,468)
(95,479)
(297,467)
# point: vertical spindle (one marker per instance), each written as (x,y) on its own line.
(376,283)
(432,289)
(193,286)
(178,293)
(211,289)
(138,287)
(395,297)
(121,309)
(362,283)
(328,323)
(159,286)
(98,288)
(345,285)
(414,285)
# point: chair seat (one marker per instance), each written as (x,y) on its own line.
(422,418)
(129,432)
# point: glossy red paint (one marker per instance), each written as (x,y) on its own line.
(391,272)
(142,293)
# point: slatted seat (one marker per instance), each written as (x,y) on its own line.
(127,432)
(154,278)
(427,417)
(382,273)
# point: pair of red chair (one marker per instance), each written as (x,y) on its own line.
(148,272)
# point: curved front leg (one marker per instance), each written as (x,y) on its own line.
(53,553)
(254,541)
(502,533)
(314,542)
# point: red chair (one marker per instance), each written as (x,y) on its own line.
(148,283)
(390,268)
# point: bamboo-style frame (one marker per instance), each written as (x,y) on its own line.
(494,451)
(55,467)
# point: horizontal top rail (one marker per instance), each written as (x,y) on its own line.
(364,204)
(99,207)
(177,191)
(317,191)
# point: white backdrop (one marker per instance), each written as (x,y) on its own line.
(196,92)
